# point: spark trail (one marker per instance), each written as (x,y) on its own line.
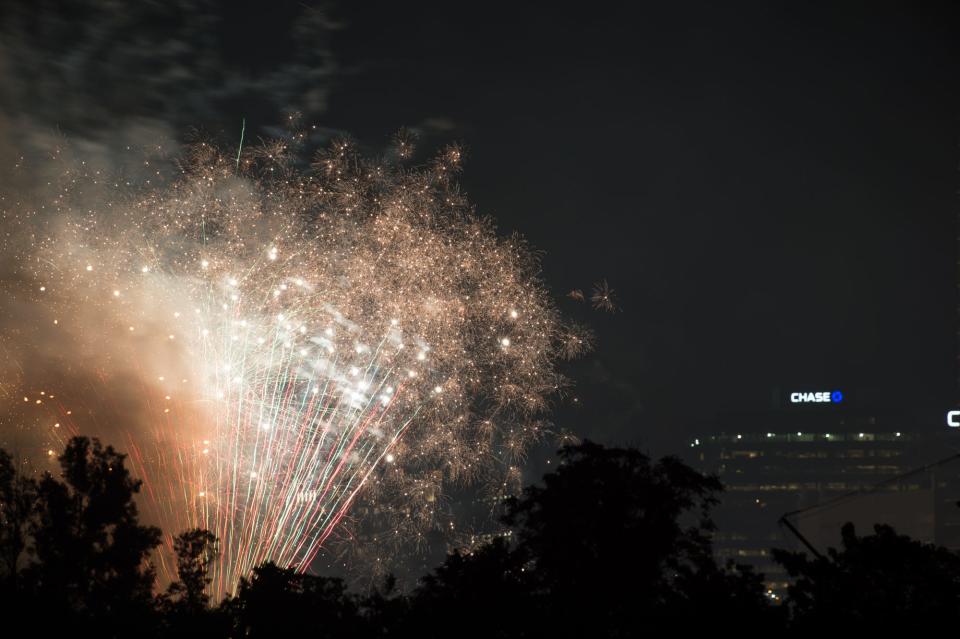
(273,345)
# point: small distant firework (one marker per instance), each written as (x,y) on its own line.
(603,298)
(273,346)
(405,143)
(576,341)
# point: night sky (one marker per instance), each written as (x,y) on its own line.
(770,189)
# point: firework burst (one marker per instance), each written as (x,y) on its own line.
(603,297)
(273,345)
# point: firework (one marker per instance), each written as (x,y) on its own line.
(603,297)
(273,345)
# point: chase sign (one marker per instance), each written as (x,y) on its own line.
(818,397)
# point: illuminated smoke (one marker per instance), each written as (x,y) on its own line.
(271,345)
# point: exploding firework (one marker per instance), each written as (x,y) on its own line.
(272,345)
(603,297)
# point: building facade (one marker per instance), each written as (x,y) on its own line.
(836,470)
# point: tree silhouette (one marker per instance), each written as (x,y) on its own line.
(195,550)
(280,602)
(607,512)
(608,544)
(617,543)
(89,554)
(483,593)
(17,496)
(186,604)
(882,582)
(387,613)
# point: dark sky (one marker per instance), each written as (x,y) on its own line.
(771,189)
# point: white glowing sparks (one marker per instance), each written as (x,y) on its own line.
(388,332)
